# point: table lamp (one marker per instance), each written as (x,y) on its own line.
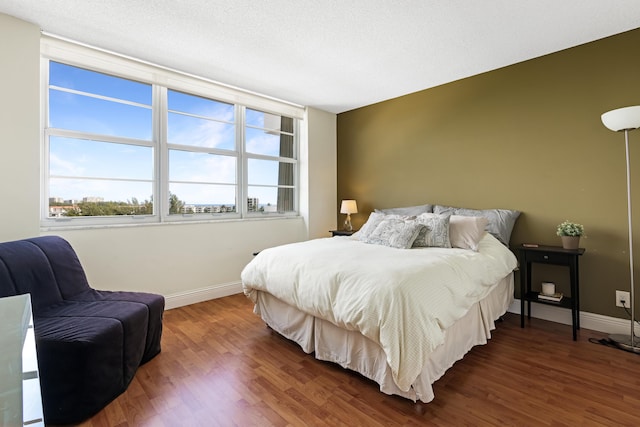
(348,207)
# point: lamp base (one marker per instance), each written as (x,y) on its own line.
(624,342)
(347,223)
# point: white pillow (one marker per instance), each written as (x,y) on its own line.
(466,231)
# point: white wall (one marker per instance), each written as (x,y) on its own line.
(320,175)
(19,133)
(185,262)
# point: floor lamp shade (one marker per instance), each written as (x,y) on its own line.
(626,119)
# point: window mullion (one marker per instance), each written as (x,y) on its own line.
(66,133)
(207,150)
(241,181)
(44,126)
(296,165)
(100,97)
(161,153)
(274,158)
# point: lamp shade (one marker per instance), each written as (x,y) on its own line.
(349,207)
(622,118)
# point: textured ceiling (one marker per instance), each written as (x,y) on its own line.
(331,54)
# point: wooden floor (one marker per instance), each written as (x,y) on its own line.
(220,366)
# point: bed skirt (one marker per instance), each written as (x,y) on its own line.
(354,351)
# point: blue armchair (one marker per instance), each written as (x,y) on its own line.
(89,342)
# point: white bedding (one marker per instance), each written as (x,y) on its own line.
(401,299)
(354,351)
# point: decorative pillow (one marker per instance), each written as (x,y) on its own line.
(375,218)
(367,228)
(435,232)
(395,233)
(466,231)
(409,210)
(501,221)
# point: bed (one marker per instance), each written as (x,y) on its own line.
(399,315)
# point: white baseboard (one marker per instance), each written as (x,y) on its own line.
(202,294)
(595,322)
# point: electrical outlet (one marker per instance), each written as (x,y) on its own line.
(622,296)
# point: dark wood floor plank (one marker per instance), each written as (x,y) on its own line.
(221,366)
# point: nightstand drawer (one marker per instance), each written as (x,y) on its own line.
(548,258)
(342,232)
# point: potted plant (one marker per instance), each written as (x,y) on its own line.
(570,233)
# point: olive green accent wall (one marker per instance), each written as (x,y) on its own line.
(526,137)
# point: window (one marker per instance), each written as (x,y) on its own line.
(121,147)
(100,147)
(271,163)
(203,158)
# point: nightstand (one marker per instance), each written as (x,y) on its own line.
(550,255)
(335,233)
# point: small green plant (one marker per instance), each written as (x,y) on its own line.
(568,228)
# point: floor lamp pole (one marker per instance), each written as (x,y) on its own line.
(631,269)
(626,119)
(631,343)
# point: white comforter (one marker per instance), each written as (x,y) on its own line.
(402,299)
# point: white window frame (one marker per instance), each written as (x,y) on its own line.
(162,79)
(165,148)
(294,161)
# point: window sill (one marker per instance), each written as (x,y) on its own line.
(66,226)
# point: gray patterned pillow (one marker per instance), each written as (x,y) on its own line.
(408,210)
(375,218)
(435,232)
(395,233)
(501,221)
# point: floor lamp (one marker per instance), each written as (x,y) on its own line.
(626,119)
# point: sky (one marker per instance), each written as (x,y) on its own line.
(87,168)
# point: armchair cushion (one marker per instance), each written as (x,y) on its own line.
(78,358)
